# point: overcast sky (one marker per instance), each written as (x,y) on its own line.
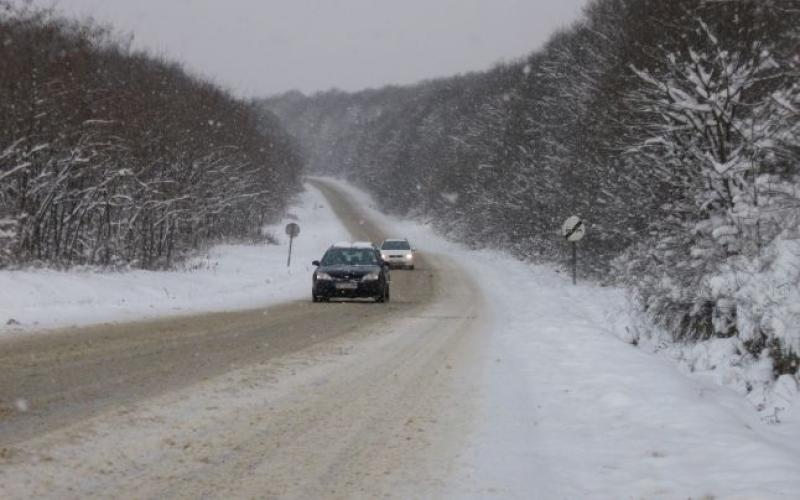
(262,47)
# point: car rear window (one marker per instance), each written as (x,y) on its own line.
(350,257)
(395,245)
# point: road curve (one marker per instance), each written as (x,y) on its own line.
(339,400)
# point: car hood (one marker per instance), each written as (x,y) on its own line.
(348,272)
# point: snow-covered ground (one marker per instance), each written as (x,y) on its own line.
(570,410)
(226,277)
(567,408)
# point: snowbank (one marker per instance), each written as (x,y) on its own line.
(768,294)
(765,293)
(226,277)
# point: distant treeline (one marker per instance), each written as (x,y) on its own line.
(112,157)
(670,126)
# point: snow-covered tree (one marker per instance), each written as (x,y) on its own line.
(111,157)
(713,120)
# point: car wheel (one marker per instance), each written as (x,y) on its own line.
(411,267)
(314,298)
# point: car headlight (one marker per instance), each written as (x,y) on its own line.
(323,276)
(371,276)
(409,256)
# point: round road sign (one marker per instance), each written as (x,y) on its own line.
(292,229)
(573,229)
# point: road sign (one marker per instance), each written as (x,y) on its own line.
(573,229)
(292,230)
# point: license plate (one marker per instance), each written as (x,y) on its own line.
(346,286)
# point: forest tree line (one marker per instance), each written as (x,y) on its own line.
(672,128)
(116,158)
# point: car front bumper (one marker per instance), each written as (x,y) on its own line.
(399,262)
(348,289)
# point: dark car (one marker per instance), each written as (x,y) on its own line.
(351,270)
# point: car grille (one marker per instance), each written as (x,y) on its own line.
(346,275)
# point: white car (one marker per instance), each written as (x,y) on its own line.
(397,253)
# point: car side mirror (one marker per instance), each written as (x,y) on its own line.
(315,263)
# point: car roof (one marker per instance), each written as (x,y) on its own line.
(353,244)
(395,239)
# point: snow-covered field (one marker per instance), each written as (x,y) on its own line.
(226,277)
(570,410)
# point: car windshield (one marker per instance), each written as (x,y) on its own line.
(395,245)
(349,257)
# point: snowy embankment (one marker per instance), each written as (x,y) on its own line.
(570,410)
(224,278)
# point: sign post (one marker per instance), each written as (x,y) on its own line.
(292,230)
(573,231)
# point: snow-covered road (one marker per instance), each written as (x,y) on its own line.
(507,383)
